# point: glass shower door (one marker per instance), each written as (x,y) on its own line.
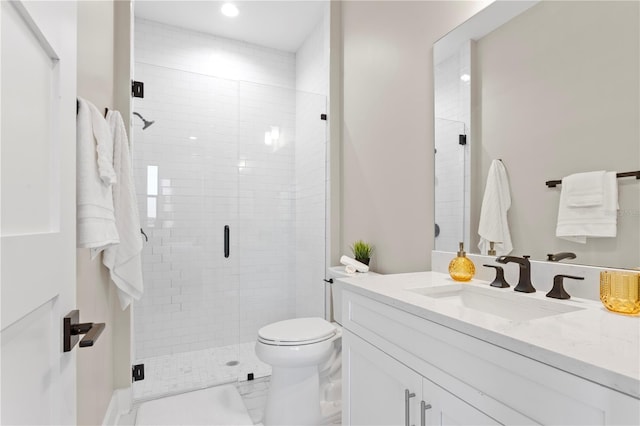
(186,326)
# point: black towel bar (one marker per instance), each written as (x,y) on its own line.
(554,183)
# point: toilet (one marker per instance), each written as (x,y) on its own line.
(295,349)
(305,356)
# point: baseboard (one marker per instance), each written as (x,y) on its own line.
(120,404)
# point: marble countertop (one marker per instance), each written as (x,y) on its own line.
(591,343)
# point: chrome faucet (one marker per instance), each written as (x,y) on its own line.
(559,256)
(524,282)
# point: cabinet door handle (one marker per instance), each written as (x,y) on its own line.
(423,412)
(407,396)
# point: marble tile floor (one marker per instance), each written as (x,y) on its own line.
(253,393)
(172,374)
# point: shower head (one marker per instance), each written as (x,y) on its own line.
(147,123)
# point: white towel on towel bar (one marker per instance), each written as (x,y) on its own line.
(96,227)
(124,260)
(584,189)
(494,225)
(576,223)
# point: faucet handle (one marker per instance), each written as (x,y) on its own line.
(556,257)
(558,291)
(499,281)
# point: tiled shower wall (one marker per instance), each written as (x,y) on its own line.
(215,169)
(452,165)
(200,53)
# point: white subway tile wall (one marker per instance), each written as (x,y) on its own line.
(234,144)
(221,57)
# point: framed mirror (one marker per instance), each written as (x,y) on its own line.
(550,89)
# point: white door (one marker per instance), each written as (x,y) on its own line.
(37,254)
(379,389)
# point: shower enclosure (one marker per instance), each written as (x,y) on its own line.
(230,180)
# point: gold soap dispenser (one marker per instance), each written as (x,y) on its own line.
(461,268)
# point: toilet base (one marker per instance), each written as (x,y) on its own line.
(294,397)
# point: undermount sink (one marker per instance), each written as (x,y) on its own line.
(503,303)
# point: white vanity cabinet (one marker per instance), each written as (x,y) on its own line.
(465,380)
(383,391)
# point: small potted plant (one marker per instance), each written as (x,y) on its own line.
(362,251)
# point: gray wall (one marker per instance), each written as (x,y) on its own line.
(559,94)
(387,134)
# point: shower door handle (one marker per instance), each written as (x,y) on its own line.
(226,241)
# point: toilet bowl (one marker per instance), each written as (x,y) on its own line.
(296,349)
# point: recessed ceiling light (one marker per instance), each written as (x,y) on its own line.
(465,77)
(230,10)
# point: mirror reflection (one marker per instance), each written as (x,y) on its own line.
(550,90)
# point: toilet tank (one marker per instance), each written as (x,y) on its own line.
(333,299)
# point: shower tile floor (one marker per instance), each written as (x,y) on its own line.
(172,374)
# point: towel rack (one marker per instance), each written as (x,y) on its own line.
(554,183)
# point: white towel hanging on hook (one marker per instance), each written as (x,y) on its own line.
(494,225)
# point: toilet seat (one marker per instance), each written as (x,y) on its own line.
(296,332)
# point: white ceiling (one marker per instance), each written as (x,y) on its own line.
(282,25)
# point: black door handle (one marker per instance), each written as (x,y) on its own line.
(92,335)
(72,329)
(226,241)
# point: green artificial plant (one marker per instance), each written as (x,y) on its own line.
(361,250)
